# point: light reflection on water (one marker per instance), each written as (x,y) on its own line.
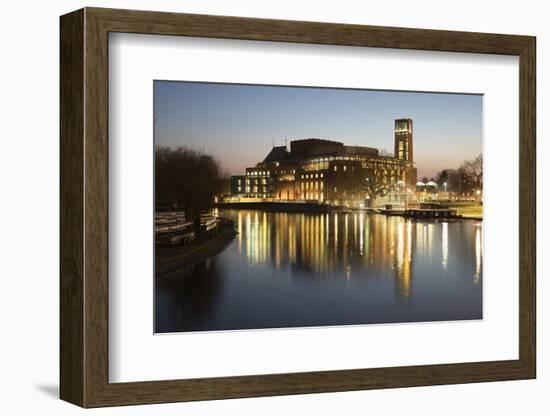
(288,269)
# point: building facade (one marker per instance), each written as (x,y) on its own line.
(329,172)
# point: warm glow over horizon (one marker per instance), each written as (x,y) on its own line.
(239,124)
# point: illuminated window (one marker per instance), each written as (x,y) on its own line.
(335,168)
(345,168)
(321,175)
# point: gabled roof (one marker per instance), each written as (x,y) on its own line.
(277,153)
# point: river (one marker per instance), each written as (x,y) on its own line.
(302,270)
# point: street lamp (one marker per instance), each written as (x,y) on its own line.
(445,186)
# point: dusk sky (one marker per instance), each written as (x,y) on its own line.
(238,124)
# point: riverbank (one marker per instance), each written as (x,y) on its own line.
(468,210)
(172,258)
(464,211)
(281,206)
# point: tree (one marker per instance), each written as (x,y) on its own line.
(185,179)
(371,181)
(473,171)
(442,178)
(385,153)
(466,179)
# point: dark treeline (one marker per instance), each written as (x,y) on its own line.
(186,179)
(466,179)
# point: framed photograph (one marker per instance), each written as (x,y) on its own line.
(255,207)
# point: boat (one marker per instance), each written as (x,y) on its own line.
(172,228)
(208,222)
(432,213)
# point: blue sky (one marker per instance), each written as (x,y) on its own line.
(238,124)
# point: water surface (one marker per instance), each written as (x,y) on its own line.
(296,270)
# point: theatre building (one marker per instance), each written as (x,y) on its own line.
(330,172)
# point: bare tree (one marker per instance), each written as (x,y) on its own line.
(185,179)
(466,179)
(473,170)
(371,181)
(385,153)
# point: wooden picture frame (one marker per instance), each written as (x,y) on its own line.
(84,207)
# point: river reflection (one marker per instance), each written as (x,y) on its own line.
(288,269)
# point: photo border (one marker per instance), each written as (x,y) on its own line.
(84,215)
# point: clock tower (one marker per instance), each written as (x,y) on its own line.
(403,132)
(404,139)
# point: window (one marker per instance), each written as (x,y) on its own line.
(345,168)
(335,168)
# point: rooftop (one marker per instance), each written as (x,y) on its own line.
(314,147)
